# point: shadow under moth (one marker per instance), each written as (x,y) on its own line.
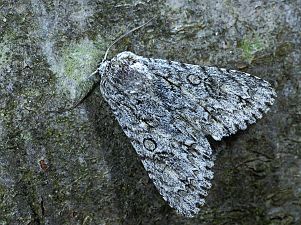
(167,109)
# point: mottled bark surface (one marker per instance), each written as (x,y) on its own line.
(79,168)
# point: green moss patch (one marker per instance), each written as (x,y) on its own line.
(76,62)
(80,59)
(250,46)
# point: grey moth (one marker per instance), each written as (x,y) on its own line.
(167,109)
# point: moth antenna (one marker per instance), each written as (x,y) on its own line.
(62,110)
(124,35)
(92,75)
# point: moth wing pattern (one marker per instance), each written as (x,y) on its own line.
(168,108)
(222,101)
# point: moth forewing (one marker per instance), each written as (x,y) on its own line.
(168,108)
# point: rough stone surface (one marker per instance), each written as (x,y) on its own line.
(78,167)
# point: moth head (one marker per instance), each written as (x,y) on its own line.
(102,68)
(126,56)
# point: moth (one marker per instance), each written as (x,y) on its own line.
(168,109)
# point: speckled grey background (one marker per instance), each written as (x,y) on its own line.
(79,168)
